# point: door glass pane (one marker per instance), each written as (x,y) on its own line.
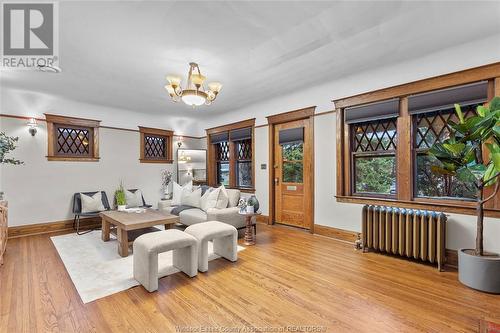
(375,174)
(292,172)
(293,151)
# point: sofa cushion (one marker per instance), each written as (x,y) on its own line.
(92,204)
(233,197)
(204,201)
(192,216)
(191,198)
(222,199)
(177,192)
(133,199)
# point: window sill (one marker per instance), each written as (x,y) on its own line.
(242,189)
(142,160)
(447,206)
(72,159)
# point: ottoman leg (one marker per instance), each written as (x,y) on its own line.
(227,247)
(203,255)
(186,260)
(146,268)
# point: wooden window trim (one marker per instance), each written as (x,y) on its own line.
(54,120)
(211,160)
(405,196)
(167,134)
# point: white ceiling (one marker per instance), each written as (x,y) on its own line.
(118,53)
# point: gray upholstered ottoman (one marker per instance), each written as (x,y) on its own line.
(224,236)
(148,246)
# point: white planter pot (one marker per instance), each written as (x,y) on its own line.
(121,208)
(480,273)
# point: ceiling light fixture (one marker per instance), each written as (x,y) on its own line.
(183,158)
(194,94)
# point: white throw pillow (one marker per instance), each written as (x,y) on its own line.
(222,199)
(204,199)
(211,200)
(133,199)
(191,198)
(177,192)
(91,204)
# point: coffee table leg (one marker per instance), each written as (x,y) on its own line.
(122,242)
(105,230)
(249,238)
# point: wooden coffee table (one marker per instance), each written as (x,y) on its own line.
(126,223)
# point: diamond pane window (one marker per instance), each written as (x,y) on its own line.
(222,151)
(430,128)
(155,147)
(374,135)
(244,163)
(72,141)
(374,157)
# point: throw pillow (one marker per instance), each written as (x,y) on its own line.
(223,198)
(177,192)
(211,200)
(133,199)
(191,198)
(204,199)
(91,204)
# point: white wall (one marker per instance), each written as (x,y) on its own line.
(35,104)
(328,212)
(41,191)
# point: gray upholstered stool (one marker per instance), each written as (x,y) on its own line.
(224,236)
(148,246)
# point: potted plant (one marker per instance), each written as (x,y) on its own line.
(121,200)
(7,145)
(166,178)
(461,156)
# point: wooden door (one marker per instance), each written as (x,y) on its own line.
(293,176)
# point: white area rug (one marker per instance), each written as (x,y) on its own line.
(96,268)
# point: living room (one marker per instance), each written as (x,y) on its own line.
(327,150)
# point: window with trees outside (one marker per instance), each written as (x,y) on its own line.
(374,157)
(230,155)
(430,128)
(383,144)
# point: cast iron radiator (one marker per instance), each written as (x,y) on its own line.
(412,233)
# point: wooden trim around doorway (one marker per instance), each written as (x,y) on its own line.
(305,113)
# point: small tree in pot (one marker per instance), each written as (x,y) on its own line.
(461,155)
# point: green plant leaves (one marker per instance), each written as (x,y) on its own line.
(459,112)
(495,104)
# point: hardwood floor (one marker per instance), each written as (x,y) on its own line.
(289,278)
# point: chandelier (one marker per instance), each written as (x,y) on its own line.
(194,93)
(183,158)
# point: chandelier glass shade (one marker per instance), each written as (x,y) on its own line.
(183,158)
(194,93)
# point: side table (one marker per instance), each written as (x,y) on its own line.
(249,235)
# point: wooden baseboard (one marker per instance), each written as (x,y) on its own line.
(340,234)
(262,219)
(43,228)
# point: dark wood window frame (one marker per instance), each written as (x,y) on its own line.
(405,194)
(156,133)
(90,126)
(212,155)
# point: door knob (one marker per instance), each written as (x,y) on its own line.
(276,181)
